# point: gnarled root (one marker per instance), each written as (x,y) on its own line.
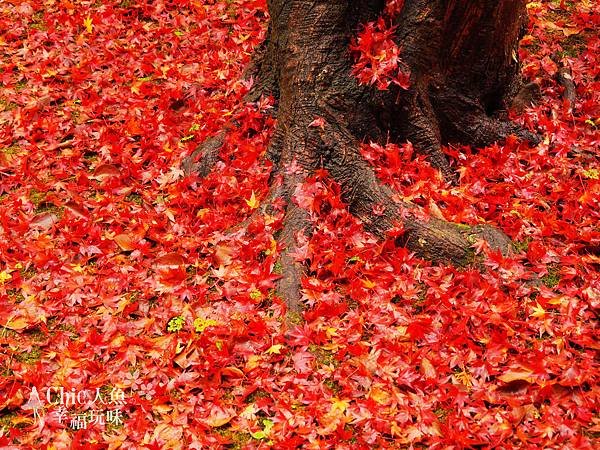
(421,127)
(205,156)
(338,152)
(432,239)
(458,87)
(526,96)
(565,79)
(289,286)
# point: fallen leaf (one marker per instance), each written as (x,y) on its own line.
(513,375)
(170,261)
(128,243)
(44,221)
(104,171)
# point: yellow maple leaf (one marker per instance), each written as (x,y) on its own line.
(275,349)
(202,212)
(272,249)
(253,362)
(77,268)
(135,87)
(4,276)
(201,324)
(368,283)
(379,395)
(252,202)
(339,405)
(593,174)
(465,378)
(538,311)
(331,331)
(88,23)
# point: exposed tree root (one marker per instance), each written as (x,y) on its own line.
(432,114)
(565,79)
(205,156)
(289,286)
(528,95)
(432,239)
(338,149)
(266,207)
(421,127)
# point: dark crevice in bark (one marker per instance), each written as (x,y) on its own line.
(266,61)
(463,119)
(419,124)
(463,61)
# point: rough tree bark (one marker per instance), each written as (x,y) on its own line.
(464,73)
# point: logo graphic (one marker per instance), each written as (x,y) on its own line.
(34,403)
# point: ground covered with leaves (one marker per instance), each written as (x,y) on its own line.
(124,279)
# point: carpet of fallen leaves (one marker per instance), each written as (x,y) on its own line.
(118,278)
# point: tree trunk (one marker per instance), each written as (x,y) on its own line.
(464,72)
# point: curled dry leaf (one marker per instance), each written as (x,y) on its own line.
(104,171)
(77,210)
(44,221)
(170,261)
(513,375)
(223,254)
(126,242)
(219,417)
(232,372)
